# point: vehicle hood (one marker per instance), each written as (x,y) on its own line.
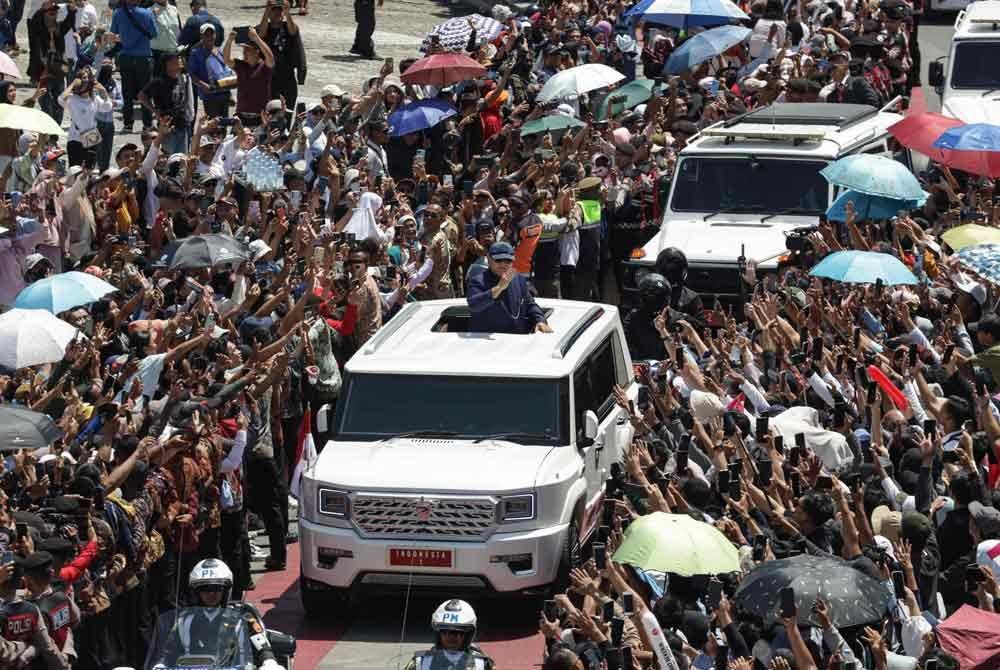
(972,107)
(438,466)
(719,240)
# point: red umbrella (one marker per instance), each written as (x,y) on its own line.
(972,636)
(443,69)
(919,132)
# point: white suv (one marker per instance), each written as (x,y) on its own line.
(971,90)
(466,461)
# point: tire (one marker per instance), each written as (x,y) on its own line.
(569,556)
(324,602)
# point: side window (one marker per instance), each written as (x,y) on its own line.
(603,378)
(582,396)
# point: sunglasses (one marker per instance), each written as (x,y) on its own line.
(211,588)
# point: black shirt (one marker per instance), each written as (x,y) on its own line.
(170,96)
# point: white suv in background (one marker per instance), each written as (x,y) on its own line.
(466,462)
(970,91)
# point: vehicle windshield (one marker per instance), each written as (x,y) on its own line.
(200,638)
(975,65)
(378,406)
(751,185)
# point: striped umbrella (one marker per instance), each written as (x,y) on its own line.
(687,13)
(453,34)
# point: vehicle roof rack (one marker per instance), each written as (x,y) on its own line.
(389,329)
(839,115)
(983,12)
(570,337)
(796,135)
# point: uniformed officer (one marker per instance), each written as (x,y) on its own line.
(454,624)
(644,341)
(60,612)
(22,622)
(588,210)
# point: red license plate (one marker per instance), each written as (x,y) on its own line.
(421,558)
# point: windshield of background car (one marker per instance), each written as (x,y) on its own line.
(173,647)
(751,185)
(377,406)
(975,65)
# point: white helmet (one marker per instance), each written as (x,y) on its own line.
(211,572)
(455,615)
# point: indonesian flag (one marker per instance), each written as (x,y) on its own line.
(305,452)
(738,404)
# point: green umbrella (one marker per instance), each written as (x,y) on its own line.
(970,234)
(635,93)
(677,543)
(549,123)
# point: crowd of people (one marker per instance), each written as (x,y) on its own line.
(253,241)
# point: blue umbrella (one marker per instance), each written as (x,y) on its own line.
(874,175)
(983,259)
(869,207)
(863,267)
(687,13)
(420,115)
(970,137)
(58,293)
(703,46)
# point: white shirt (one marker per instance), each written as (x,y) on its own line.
(378,162)
(86,16)
(82,112)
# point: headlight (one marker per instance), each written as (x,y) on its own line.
(517,508)
(334,503)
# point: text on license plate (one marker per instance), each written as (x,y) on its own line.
(426,558)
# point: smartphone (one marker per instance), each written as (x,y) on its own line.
(681,461)
(7,558)
(603,533)
(788,609)
(759,547)
(551,610)
(973,576)
(627,662)
(723,481)
(878,286)
(857,337)
(779,444)
(210,321)
(824,483)
(765,471)
(22,530)
(898,583)
(735,489)
(795,456)
(931,664)
(628,602)
(617,630)
(949,350)
(600,555)
(796,482)
(467,186)
(390,64)
(721,657)
(608,517)
(300,108)
(761,428)
(930,428)
(950,457)
(679,357)
(81,527)
(643,396)
(608,613)
(736,468)
(871,393)
(913,355)
(242,34)
(714,594)
(817,349)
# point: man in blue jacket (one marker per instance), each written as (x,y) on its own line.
(499,298)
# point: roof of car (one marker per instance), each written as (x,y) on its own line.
(979,19)
(409,343)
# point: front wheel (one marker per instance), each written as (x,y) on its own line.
(569,557)
(324,602)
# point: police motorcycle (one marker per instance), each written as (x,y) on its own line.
(214,633)
(454,625)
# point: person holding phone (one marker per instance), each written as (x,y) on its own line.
(278,29)
(253,72)
(438,249)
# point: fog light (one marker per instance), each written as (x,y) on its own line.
(327,557)
(510,558)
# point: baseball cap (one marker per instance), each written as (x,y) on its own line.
(273,106)
(501,251)
(332,89)
(886,522)
(986,518)
(915,527)
(205,27)
(31,260)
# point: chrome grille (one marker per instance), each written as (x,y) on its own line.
(427,517)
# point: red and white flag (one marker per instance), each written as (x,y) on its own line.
(305,453)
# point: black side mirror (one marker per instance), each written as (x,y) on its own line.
(282,645)
(935,73)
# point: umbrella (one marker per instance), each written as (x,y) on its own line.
(983,259)
(863,267)
(204,251)
(32,337)
(29,119)
(453,34)
(972,636)
(21,428)
(853,597)
(443,69)
(8,67)
(869,207)
(970,235)
(703,46)
(60,292)
(974,148)
(634,93)
(578,80)
(919,132)
(677,543)
(874,175)
(687,13)
(551,122)
(420,115)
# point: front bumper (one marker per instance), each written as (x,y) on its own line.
(709,281)
(365,562)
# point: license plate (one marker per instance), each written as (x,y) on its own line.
(421,558)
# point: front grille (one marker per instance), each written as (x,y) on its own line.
(416,517)
(718,279)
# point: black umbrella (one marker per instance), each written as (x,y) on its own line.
(205,251)
(853,597)
(21,428)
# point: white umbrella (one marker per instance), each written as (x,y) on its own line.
(30,119)
(32,337)
(8,67)
(578,80)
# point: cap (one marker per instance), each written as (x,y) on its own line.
(332,89)
(39,561)
(986,518)
(915,527)
(52,154)
(176,158)
(227,200)
(207,141)
(31,260)
(55,545)
(274,106)
(205,27)
(73,171)
(112,173)
(886,522)
(128,146)
(588,183)
(501,251)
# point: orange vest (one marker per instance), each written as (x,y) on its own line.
(526,248)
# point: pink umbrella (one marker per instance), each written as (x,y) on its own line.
(919,132)
(8,68)
(443,69)
(972,636)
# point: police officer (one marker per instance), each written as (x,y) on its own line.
(198,631)
(644,341)
(546,263)
(60,612)
(673,265)
(588,211)
(22,622)
(454,624)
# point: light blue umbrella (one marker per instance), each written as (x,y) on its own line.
(863,267)
(869,207)
(970,137)
(703,46)
(874,175)
(687,13)
(983,259)
(420,115)
(60,292)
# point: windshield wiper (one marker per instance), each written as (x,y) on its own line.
(709,216)
(787,210)
(519,437)
(989,92)
(425,433)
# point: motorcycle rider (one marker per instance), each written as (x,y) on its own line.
(644,341)
(454,624)
(197,630)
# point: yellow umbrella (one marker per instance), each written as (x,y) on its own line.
(970,234)
(32,120)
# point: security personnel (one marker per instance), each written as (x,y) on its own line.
(22,622)
(454,624)
(673,265)
(641,335)
(546,263)
(61,614)
(588,210)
